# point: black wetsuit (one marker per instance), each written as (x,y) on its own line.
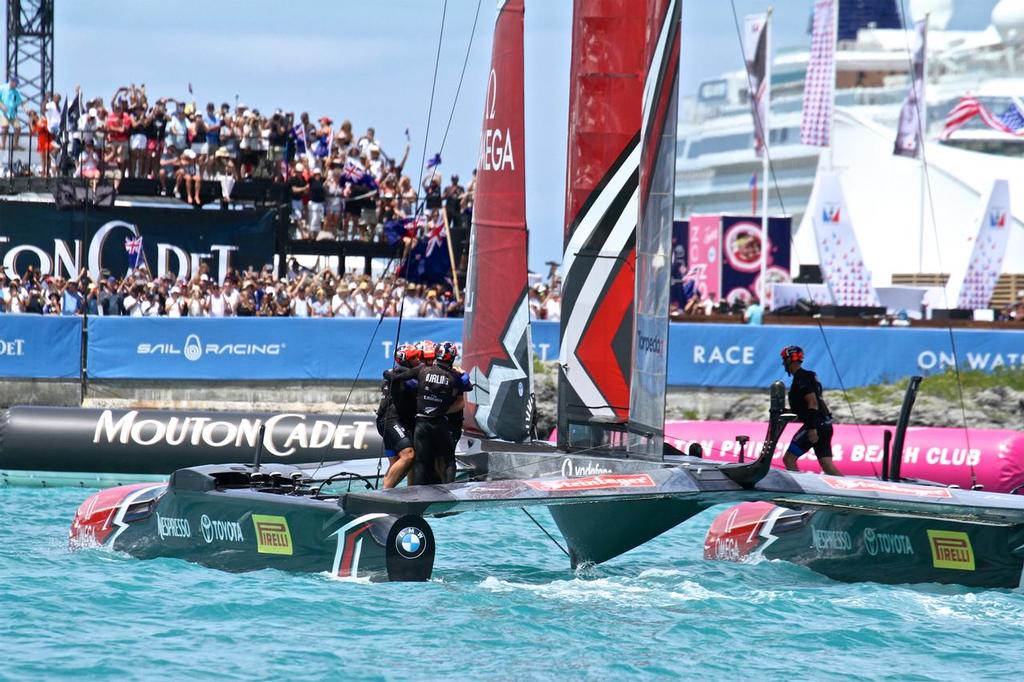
(455,422)
(437,389)
(396,413)
(804,382)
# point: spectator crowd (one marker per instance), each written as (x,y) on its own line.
(340,185)
(300,293)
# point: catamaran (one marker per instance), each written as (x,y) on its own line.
(610,483)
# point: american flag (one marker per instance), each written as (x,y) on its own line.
(819,88)
(1011,121)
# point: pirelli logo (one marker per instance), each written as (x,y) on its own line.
(272,534)
(951,549)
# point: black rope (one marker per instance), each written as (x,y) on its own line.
(545,530)
(782,206)
(922,127)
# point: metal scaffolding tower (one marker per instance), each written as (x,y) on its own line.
(30,50)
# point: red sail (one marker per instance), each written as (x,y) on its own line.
(605,95)
(496,333)
(654,231)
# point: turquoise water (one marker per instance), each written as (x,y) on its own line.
(503,605)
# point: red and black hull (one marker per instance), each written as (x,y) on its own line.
(859,545)
(197,518)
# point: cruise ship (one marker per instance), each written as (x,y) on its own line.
(715,157)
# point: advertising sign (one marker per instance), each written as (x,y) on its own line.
(34,346)
(174,240)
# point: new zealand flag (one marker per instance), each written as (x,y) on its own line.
(429,262)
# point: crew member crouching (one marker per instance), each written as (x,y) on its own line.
(806,400)
(396,416)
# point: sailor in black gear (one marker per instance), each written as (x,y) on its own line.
(439,390)
(396,416)
(446,468)
(807,401)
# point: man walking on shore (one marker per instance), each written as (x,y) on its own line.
(806,400)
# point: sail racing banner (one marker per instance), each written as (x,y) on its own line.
(276,349)
(38,347)
(264,349)
(734,356)
(174,240)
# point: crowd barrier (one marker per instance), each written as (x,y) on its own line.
(287,349)
(35,347)
(264,349)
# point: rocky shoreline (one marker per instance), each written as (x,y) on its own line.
(998,407)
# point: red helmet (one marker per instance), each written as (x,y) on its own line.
(792,354)
(427,350)
(407,355)
(446,353)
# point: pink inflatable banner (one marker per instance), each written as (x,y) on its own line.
(993,458)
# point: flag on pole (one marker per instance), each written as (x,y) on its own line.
(908,136)
(134,249)
(1010,121)
(434,161)
(755,54)
(753,193)
(819,86)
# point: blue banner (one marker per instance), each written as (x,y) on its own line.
(735,356)
(264,349)
(706,355)
(38,347)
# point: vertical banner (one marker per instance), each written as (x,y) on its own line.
(819,86)
(842,264)
(908,135)
(705,254)
(989,249)
(741,256)
(755,54)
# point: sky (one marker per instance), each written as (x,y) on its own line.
(373,63)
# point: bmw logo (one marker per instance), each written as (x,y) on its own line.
(410,542)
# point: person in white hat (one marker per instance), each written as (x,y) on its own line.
(189,172)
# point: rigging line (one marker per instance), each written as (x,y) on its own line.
(352,385)
(423,161)
(922,128)
(765,149)
(465,63)
(545,530)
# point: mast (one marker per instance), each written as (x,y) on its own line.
(654,231)
(605,93)
(497,349)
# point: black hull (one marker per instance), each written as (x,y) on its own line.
(246,529)
(856,545)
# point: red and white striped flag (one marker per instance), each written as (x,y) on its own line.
(968,107)
(819,86)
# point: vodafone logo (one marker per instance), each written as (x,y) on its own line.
(601,482)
